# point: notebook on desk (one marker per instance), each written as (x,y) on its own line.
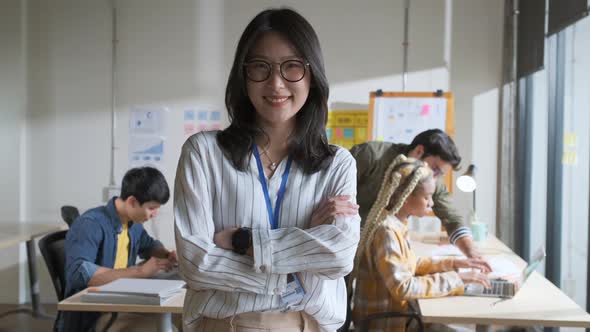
(134,291)
(506,287)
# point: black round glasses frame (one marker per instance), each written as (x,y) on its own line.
(269,66)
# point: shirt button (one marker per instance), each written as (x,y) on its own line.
(262,267)
(277,291)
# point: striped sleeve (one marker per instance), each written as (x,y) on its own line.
(426,265)
(325,250)
(397,272)
(202,264)
(459,233)
(445,210)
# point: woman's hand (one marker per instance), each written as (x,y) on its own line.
(332,207)
(472,263)
(474,277)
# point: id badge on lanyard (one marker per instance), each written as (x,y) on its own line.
(294,291)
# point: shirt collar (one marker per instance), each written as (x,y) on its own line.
(114,216)
(397,224)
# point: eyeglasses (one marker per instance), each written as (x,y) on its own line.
(291,70)
(436,172)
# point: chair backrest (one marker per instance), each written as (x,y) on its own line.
(69,214)
(52,249)
(346,326)
(411,315)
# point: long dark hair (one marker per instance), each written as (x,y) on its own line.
(308,146)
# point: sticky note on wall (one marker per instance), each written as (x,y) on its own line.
(569,157)
(189,129)
(189,115)
(349,133)
(360,135)
(203,115)
(570,139)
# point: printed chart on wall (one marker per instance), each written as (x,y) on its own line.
(201,118)
(146,138)
(398,117)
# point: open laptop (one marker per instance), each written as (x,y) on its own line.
(506,288)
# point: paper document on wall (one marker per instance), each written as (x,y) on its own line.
(146,136)
(146,121)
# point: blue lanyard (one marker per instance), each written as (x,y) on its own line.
(272,218)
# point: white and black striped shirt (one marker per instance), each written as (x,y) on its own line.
(210,195)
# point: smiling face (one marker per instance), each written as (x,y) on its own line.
(275,99)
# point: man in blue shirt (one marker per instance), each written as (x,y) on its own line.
(102,244)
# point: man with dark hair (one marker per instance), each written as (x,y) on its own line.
(433,147)
(102,244)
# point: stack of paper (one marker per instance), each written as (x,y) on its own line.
(134,291)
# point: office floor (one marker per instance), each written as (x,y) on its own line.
(24,322)
(21,322)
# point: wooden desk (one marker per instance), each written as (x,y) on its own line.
(537,303)
(15,233)
(174,305)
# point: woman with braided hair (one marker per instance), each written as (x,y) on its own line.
(385,259)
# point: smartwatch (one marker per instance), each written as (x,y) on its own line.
(242,240)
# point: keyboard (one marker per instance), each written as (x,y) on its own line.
(501,288)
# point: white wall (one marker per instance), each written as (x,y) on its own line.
(178,54)
(475,75)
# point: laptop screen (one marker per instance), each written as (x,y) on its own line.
(537,258)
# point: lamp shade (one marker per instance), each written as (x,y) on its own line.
(466,182)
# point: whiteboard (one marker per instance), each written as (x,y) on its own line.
(400,119)
(397,117)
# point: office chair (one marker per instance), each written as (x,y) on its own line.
(69,214)
(53,252)
(411,314)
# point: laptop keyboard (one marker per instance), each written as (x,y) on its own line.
(500,288)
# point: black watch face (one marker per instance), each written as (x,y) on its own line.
(241,241)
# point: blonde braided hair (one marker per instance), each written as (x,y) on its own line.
(400,180)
